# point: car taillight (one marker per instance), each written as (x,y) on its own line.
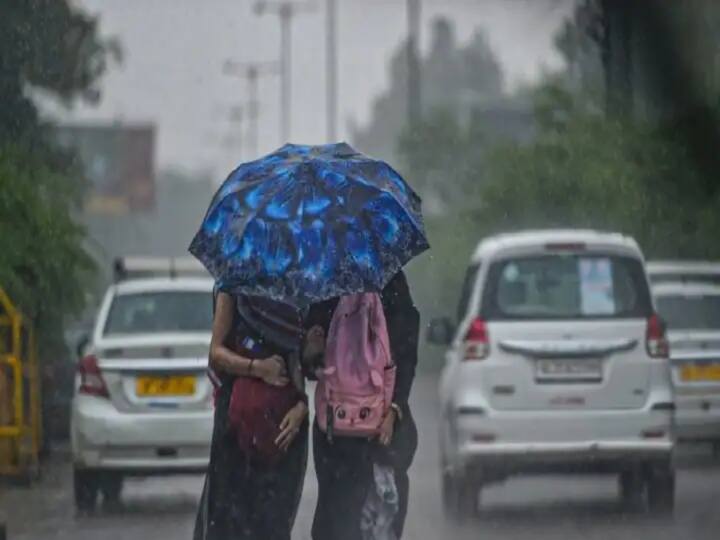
(655,338)
(477,341)
(91,380)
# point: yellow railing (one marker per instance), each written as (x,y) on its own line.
(20,414)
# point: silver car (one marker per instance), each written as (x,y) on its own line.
(692,312)
(558,363)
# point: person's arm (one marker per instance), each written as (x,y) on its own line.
(271,370)
(403,321)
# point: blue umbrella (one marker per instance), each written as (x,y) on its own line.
(308,223)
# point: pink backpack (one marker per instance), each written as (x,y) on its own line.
(358,381)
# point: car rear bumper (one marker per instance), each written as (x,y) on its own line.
(697,424)
(561,440)
(577,452)
(148,443)
(501,460)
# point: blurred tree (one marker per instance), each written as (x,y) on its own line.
(46,46)
(51,46)
(455,78)
(587,170)
(626,139)
(43,265)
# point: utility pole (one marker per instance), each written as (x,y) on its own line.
(251,71)
(285,10)
(237,118)
(414,82)
(332,75)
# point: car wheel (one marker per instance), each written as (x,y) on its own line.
(111,487)
(85,486)
(632,489)
(661,489)
(460,498)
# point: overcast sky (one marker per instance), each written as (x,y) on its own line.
(174,52)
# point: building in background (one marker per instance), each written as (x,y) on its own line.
(119,163)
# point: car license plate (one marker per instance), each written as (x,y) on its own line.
(700,372)
(569,369)
(173,386)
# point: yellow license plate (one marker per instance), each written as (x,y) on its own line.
(709,372)
(165,386)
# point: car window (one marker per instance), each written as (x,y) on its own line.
(690,312)
(467,290)
(151,312)
(567,287)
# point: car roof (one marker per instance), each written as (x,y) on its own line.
(685,289)
(683,267)
(492,246)
(134,286)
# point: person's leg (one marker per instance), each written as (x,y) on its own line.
(403,451)
(344,472)
(402,483)
(278,492)
(321,526)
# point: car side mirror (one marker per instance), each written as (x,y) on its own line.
(440,331)
(81,346)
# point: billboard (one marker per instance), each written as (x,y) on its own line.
(119,163)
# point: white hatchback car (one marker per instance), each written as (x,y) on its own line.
(143,404)
(558,364)
(692,311)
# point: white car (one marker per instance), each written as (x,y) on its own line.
(559,363)
(692,312)
(142,403)
(678,271)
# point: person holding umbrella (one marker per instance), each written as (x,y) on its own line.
(283,236)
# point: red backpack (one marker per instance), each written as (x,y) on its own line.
(256,410)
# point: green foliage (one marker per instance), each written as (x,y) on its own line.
(582,169)
(585,170)
(52,46)
(441,157)
(43,266)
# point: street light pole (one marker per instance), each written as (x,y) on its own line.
(285,10)
(252,71)
(332,76)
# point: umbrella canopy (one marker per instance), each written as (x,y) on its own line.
(308,223)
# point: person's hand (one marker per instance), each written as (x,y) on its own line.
(314,342)
(272,370)
(387,427)
(290,426)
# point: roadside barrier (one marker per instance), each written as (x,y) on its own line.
(20,413)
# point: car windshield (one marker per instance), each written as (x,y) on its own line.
(152,312)
(567,287)
(701,312)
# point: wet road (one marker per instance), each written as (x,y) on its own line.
(536,508)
